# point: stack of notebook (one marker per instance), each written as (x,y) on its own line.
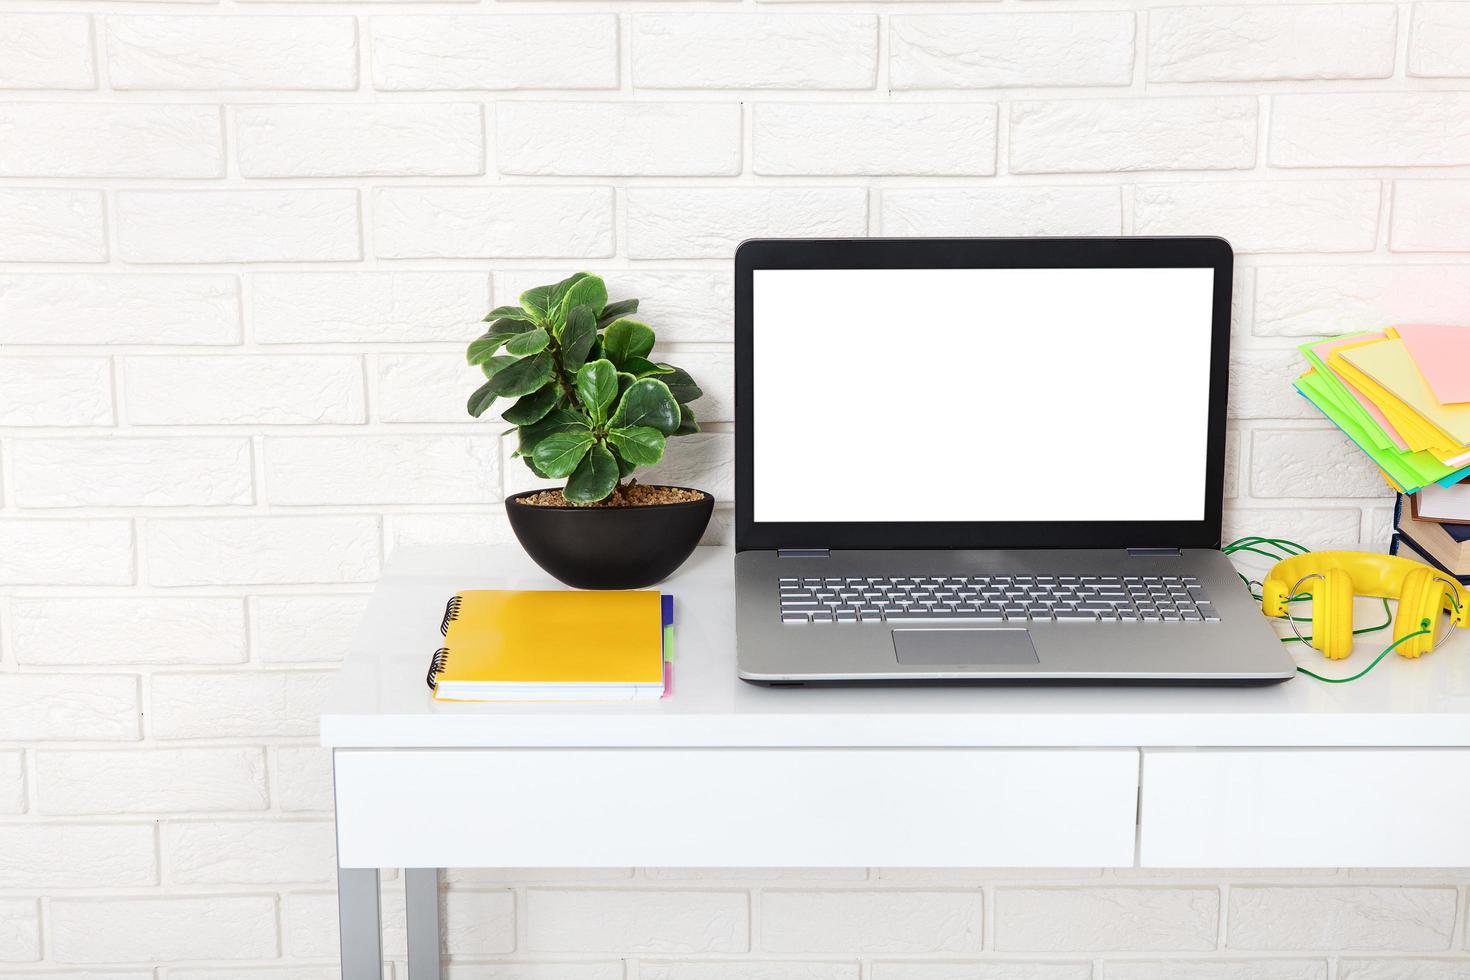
(1402,394)
(1433,526)
(554,646)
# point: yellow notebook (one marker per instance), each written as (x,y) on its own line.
(550,646)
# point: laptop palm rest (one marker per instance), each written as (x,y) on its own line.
(964,647)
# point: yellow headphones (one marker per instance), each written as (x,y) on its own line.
(1332,578)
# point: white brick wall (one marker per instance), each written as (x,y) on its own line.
(242,245)
(51,225)
(46,51)
(50,140)
(68,308)
(360,141)
(1011,50)
(237,52)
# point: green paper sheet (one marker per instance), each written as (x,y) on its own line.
(1334,388)
(1412,471)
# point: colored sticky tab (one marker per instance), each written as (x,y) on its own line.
(1442,354)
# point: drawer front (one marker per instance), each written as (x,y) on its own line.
(1305,808)
(736,807)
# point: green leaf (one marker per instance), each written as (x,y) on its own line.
(481,348)
(641,445)
(559,291)
(625,381)
(531,465)
(612,312)
(508,313)
(642,367)
(530,342)
(597,386)
(523,377)
(625,339)
(589,290)
(482,399)
(533,407)
(577,337)
(494,365)
(557,420)
(688,424)
(511,326)
(558,454)
(647,402)
(540,301)
(594,478)
(681,385)
(625,468)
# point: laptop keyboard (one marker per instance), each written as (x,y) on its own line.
(997,599)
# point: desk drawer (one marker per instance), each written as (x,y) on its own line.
(736,807)
(1305,808)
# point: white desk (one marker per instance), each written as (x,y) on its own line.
(729,774)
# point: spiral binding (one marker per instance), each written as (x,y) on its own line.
(436,666)
(451,613)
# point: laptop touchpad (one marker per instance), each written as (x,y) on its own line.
(964,647)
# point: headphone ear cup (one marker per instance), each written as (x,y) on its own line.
(1332,615)
(1420,599)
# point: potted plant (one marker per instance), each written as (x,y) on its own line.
(590,407)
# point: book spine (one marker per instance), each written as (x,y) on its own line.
(451,613)
(436,667)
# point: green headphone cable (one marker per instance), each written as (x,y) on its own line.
(1423,629)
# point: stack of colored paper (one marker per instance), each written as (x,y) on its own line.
(1402,394)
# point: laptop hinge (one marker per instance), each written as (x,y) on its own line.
(803,553)
(1155,553)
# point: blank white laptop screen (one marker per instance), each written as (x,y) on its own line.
(980,394)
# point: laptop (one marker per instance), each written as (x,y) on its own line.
(987,460)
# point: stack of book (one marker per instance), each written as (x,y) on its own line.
(1433,526)
(502,645)
(1402,394)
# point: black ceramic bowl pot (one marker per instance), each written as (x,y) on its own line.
(609,547)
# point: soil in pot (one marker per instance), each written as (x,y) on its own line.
(633,495)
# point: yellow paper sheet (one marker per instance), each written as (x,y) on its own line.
(1384,371)
(1418,434)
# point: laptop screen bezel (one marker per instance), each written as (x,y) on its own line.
(983,253)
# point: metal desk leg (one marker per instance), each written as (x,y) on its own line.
(421,888)
(359,923)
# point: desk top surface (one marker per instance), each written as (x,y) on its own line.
(380,700)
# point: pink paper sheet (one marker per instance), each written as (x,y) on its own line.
(1327,347)
(1442,355)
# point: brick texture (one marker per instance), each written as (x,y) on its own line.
(1232,44)
(60,309)
(51,225)
(1011,50)
(239,52)
(50,140)
(1074,919)
(46,51)
(872,922)
(242,246)
(1357,918)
